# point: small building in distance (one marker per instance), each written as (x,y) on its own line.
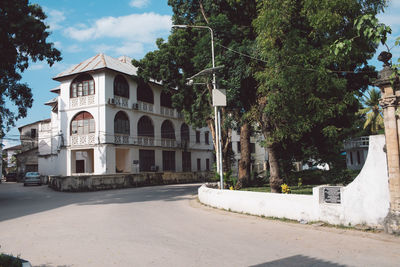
(356,152)
(10,159)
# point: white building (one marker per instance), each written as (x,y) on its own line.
(104,122)
(259,154)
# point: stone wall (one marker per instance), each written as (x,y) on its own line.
(83,183)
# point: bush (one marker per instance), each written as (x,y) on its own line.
(317,177)
(9,261)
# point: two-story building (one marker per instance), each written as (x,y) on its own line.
(104,121)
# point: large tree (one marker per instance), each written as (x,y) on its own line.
(23,37)
(307,94)
(188,51)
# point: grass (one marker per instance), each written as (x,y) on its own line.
(301,190)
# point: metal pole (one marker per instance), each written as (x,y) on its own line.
(217,115)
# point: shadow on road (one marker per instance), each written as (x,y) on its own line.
(17,200)
(299,261)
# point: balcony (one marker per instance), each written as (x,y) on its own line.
(168,142)
(120,101)
(82,101)
(82,139)
(146,107)
(167,112)
(121,139)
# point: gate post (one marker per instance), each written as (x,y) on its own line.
(390,102)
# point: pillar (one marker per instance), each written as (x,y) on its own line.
(390,102)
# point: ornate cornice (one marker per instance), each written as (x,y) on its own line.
(389,101)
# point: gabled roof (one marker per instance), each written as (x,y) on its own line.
(36,122)
(52,101)
(56,90)
(101,61)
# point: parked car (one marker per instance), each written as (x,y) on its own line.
(32,178)
(11,177)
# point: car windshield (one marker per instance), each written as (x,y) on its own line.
(32,174)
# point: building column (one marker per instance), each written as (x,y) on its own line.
(390,103)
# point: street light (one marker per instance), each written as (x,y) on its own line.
(217,113)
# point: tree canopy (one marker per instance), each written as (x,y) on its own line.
(23,37)
(310,93)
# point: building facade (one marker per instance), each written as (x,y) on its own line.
(104,121)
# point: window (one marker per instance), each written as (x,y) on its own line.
(358,158)
(206,138)
(198,137)
(145,127)
(351,158)
(83,123)
(33,133)
(185,134)
(238,147)
(167,130)
(83,85)
(165,99)
(121,123)
(207,164)
(198,164)
(252,148)
(186,162)
(121,87)
(168,160)
(144,93)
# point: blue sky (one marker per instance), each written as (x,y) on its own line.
(82,29)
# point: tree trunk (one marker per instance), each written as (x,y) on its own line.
(245,161)
(275,181)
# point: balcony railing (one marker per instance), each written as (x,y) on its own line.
(121,101)
(121,139)
(168,142)
(146,107)
(167,111)
(83,139)
(82,101)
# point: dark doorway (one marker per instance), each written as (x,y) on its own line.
(146,160)
(168,160)
(186,162)
(80,166)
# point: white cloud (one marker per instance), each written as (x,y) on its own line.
(139,3)
(126,48)
(73,48)
(37,66)
(144,28)
(54,18)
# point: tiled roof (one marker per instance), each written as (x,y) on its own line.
(101,61)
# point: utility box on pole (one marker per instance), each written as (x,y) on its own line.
(219,97)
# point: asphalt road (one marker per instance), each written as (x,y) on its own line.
(166,226)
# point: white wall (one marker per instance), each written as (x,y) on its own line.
(364,201)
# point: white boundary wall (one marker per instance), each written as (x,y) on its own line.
(364,201)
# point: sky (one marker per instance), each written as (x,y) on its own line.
(82,29)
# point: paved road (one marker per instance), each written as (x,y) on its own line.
(166,226)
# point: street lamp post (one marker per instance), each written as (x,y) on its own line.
(217,114)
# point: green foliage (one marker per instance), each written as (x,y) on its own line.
(318,177)
(23,37)
(9,261)
(372,111)
(312,94)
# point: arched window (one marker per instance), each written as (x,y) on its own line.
(165,99)
(144,93)
(121,87)
(145,127)
(83,123)
(121,123)
(82,85)
(185,134)
(167,130)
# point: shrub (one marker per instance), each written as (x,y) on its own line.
(9,261)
